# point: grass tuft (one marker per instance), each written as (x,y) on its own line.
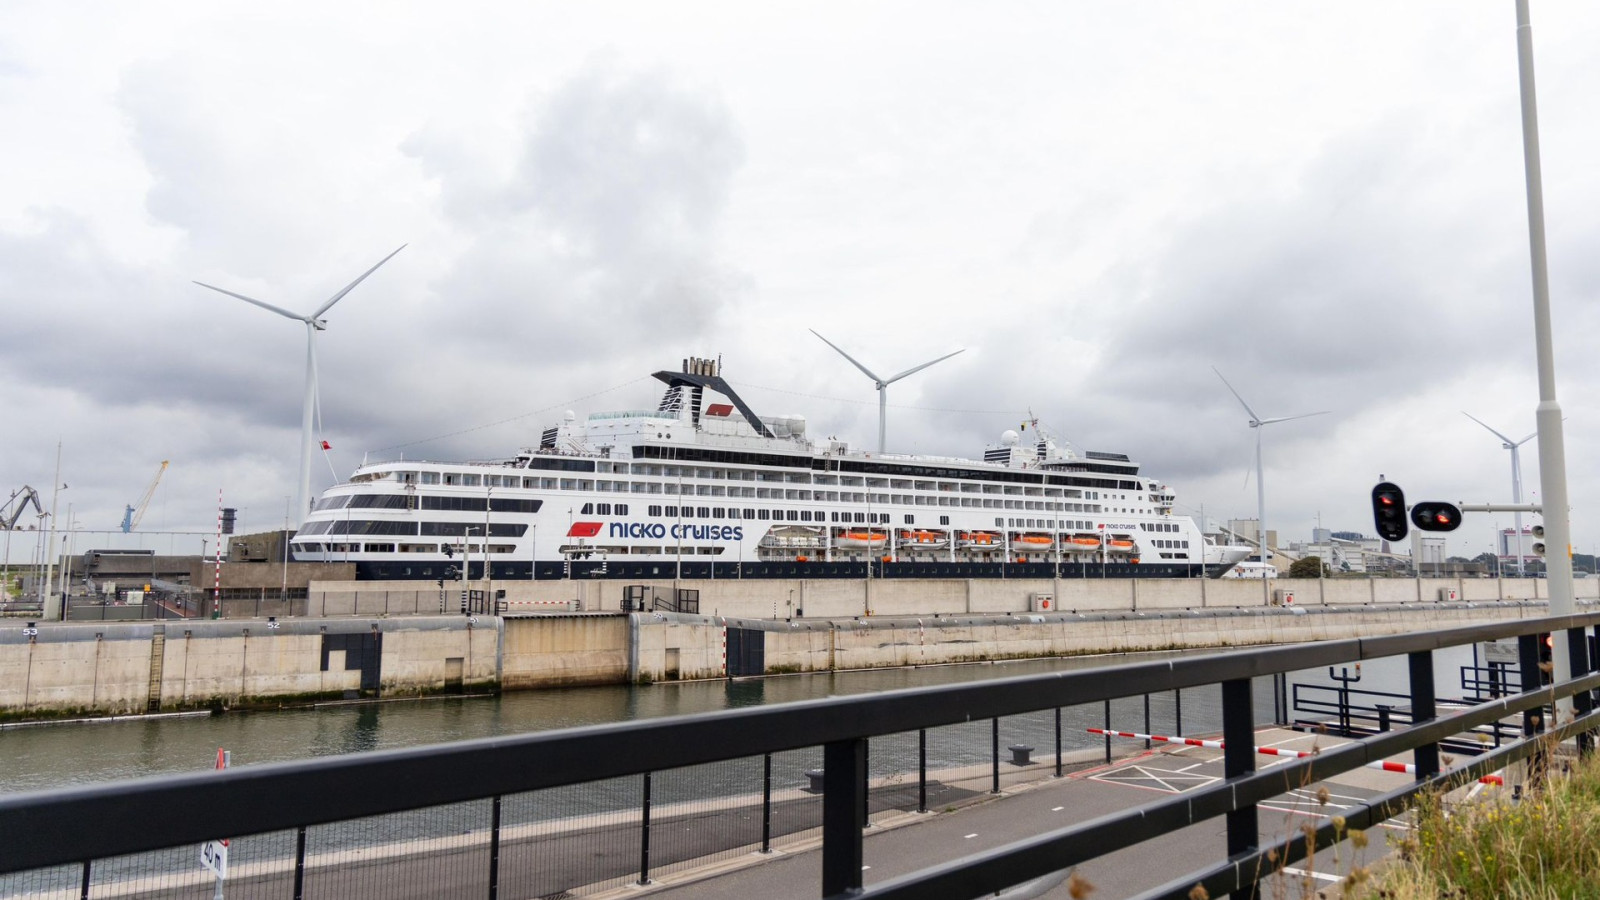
(1543,846)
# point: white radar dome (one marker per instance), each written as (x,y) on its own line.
(1009,438)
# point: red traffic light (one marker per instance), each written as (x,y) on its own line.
(1389,511)
(1436,516)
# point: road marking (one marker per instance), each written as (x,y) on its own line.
(971,836)
(1057,808)
(1324,876)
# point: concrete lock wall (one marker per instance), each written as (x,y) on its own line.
(557,651)
(110,669)
(844,598)
(816,646)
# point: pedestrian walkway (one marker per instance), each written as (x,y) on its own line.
(900,842)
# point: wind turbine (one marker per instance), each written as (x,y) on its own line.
(1516,477)
(883,384)
(314,323)
(1258,423)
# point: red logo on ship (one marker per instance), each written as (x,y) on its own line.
(584,529)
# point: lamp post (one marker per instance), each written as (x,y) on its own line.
(51,613)
(1552,450)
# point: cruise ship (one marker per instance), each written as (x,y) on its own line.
(703,487)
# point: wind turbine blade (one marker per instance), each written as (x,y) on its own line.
(1236,396)
(867,371)
(1490,430)
(351,286)
(267,306)
(1291,418)
(915,369)
(1527,439)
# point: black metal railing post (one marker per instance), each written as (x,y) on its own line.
(766,803)
(1528,666)
(1594,664)
(1108,732)
(844,764)
(1058,742)
(1177,712)
(922,770)
(300,863)
(83,887)
(1239,758)
(1147,720)
(494,848)
(1423,709)
(994,754)
(644,835)
(1582,703)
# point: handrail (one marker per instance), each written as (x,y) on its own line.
(47,828)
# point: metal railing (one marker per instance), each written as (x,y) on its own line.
(485,783)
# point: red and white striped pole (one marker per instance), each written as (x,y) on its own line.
(1384,765)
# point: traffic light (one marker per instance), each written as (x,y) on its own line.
(1435,516)
(449,552)
(1389,511)
(1538,541)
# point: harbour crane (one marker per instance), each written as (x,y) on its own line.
(130,518)
(9,514)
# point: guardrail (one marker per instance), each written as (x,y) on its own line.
(81,825)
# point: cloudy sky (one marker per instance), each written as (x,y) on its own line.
(1099,202)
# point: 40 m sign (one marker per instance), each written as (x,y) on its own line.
(214,856)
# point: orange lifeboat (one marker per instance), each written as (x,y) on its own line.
(1034,540)
(862,539)
(915,538)
(979,539)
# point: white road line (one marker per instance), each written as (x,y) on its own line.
(971,836)
(1057,808)
(1324,876)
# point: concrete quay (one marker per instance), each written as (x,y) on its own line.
(55,670)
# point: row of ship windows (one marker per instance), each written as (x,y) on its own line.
(429,502)
(398,548)
(806,515)
(683,473)
(404,528)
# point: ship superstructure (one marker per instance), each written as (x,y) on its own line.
(704,487)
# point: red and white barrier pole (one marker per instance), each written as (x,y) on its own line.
(1384,765)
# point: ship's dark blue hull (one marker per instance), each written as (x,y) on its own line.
(657,569)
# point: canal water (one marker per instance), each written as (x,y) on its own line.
(39,757)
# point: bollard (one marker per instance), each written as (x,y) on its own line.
(1019,755)
(1383,717)
(816,780)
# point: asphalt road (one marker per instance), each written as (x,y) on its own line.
(941,837)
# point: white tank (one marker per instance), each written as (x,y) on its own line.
(1009,438)
(797,425)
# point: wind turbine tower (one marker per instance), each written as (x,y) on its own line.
(1259,423)
(883,384)
(314,323)
(1516,478)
